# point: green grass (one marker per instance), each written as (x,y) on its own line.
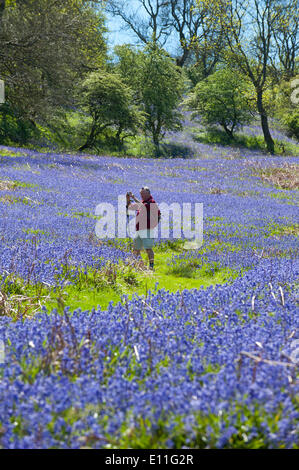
(31,231)
(118,281)
(10,153)
(217,136)
(78,215)
(284,230)
(172,431)
(11,185)
(22,184)
(286,198)
(113,283)
(23,200)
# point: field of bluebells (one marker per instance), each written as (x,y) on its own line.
(213,367)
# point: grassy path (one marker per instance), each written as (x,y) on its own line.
(113,283)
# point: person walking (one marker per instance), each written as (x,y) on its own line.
(148,216)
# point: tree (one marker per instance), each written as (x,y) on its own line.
(128,62)
(158,86)
(162,88)
(286,36)
(109,101)
(150,24)
(249,28)
(222,99)
(197,35)
(179,20)
(46,47)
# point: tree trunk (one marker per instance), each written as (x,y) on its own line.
(90,139)
(2,8)
(264,121)
(156,143)
(228,131)
(180,61)
(118,138)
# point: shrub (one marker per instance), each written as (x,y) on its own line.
(14,128)
(109,101)
(158,85)
(222,99)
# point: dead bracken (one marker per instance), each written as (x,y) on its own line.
(7,185)
(285,177)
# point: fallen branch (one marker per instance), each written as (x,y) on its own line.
(267,361)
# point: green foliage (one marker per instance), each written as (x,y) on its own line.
(162,88)
(65,129)
(109,102)
(46,47)
(196,72)
(203,432)
(291,123)
(286,107)
(158,85)
(222,99)
(14,128)
(127,64)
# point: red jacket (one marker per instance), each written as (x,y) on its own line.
(148,215)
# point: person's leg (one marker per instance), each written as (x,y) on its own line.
(151,257)
(148,243)
(137,247)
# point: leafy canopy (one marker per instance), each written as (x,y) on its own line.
(158,85)
(109,101)
(222,99)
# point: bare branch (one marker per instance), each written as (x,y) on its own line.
(267,361)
